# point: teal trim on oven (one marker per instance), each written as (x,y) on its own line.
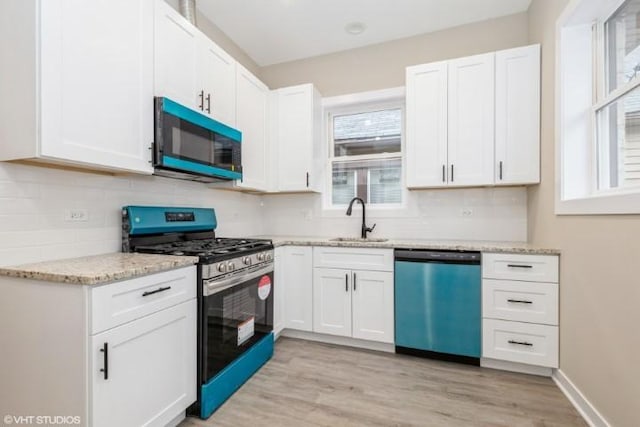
(173,108)
(186,165)
(224,384)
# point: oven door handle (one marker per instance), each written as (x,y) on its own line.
(214,286)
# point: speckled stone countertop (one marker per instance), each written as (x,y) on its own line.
(482,246)
(98,269)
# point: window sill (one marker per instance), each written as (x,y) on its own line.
(618,203)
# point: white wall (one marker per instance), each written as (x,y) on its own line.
(496,214)
(33,201)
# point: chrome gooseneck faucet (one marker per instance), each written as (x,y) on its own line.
(365,229)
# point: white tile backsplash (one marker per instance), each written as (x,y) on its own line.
(33,202)
(495,214)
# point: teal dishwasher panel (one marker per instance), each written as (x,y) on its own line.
(437,307)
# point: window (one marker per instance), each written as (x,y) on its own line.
(618,118)
(365,155)
(598,108)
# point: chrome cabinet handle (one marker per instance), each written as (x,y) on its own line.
(500,170)
(201,100)
(519,266)
(346,283)
(354,282)
(444,173)
(452,173)
(208,103)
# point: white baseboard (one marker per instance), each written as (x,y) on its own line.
(332,339)
(521,368)
(579,401)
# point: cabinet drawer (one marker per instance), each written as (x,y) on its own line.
(121,302)
(353,258)
(533,302)
(533,268)
(520,342)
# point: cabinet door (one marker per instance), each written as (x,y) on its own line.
(278,290)
(332,301)
(471,120)
(297,275)
(97,83)
(251,120)
(373,305)
(427,125)
(175,57)
(217,77)
(151,369)
(295,138)
(518,116)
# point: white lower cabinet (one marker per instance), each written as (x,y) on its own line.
(143,372)
(117,354)
(332,301)
(353,302)
(520,309)
(293,276)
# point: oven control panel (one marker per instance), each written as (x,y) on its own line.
(236,265)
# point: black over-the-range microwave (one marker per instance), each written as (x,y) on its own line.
(190,145)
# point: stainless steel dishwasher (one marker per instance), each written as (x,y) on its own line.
(438,304)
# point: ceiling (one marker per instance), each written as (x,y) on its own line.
(275,31)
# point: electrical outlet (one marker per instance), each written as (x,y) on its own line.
(76,215)
(467,212)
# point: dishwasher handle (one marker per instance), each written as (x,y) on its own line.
(447,257)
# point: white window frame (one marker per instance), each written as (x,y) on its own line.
(580,93)
(386,99)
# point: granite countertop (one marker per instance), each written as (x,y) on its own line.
(470,245)
(98,269)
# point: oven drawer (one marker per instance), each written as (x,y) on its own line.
(532,302)
(533,268)
(353,258)
(520,342)
(121,302)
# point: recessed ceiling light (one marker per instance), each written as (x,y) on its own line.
(355,28)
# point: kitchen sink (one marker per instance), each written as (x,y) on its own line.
(358,239)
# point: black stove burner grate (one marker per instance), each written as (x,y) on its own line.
(206,247)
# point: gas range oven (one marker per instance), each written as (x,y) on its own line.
(235,293)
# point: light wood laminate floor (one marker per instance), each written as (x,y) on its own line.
(313,384)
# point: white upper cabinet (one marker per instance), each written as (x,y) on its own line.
(471,127)
(474,121)
(79,90)
(426,125)
(217,76)
(518,116)
(175,57)
(252,120)
(191,69)
(298,116)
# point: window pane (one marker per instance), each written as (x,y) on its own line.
(623,44)
(619,142)
(367,133)
(374,181)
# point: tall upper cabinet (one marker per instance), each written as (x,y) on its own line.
(191,69)
(81,95)
(474,121)
(518,116)
(297,115)
(252,102)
